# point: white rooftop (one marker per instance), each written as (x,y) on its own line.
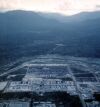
(2,85)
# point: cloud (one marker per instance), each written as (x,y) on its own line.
(61,6)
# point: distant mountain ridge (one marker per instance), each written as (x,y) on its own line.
(23,21)
(76,17)
(25,33)
(19,21)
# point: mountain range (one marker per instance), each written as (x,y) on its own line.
(79,33)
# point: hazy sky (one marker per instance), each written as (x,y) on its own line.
(67,7)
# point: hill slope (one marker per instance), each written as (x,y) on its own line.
(25,33)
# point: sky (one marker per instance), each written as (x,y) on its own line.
(66,7)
